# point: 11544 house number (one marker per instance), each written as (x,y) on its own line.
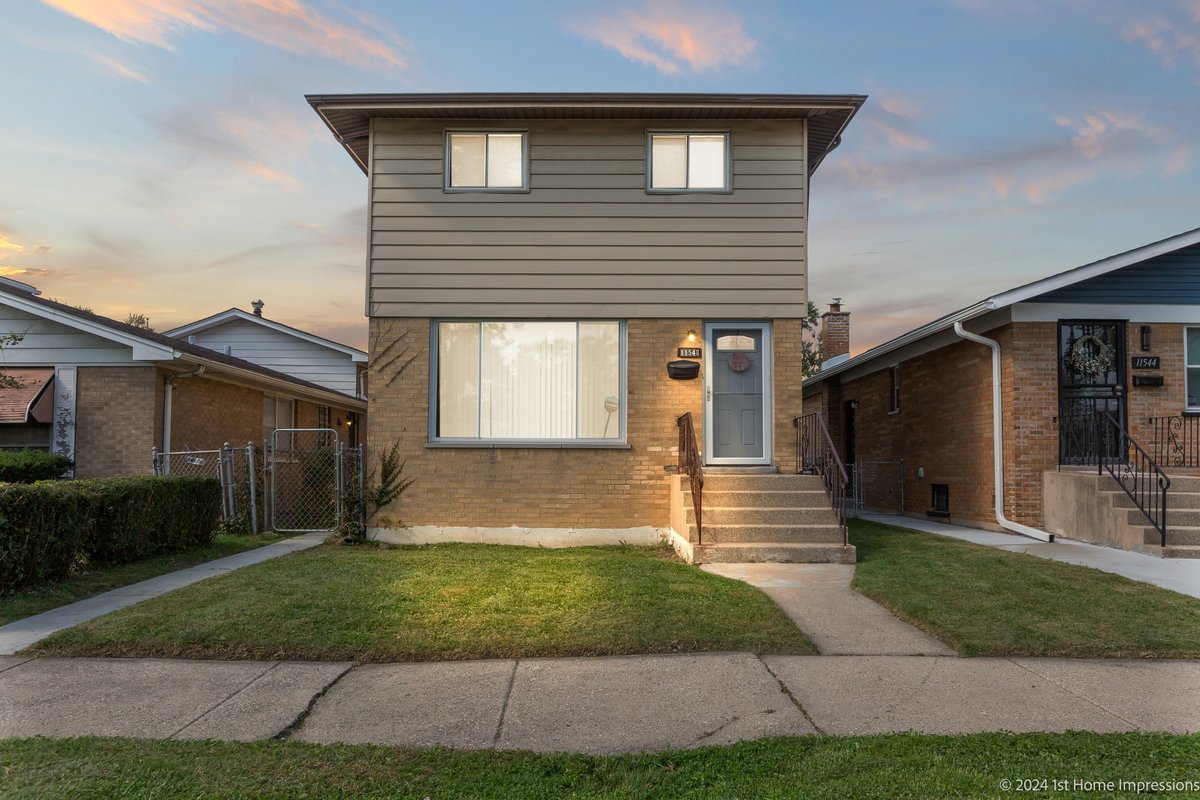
(1146,362)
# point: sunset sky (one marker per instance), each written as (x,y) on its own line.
(158,155)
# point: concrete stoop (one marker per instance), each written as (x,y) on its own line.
(760,517)
(1093,508)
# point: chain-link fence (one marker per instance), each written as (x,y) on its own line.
(879,486)
(297,480)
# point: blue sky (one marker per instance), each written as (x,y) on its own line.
(158,156)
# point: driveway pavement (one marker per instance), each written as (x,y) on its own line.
(590,705)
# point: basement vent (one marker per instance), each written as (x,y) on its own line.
(941,500)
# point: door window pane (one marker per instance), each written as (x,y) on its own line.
(468,156)
(458,379)
(504,160)
(706,162)
(668,159)
(599,380)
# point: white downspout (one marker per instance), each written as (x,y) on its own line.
(168,385)
(998,438)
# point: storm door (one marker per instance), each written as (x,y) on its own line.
(1091,383)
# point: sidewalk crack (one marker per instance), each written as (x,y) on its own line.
(1073,693)
(795,700)
(295,724)
(512,678)
(225,699)
(714,731)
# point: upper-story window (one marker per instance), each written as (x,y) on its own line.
(487,161)
(688,162)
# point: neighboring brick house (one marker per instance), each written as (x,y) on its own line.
(535,263)
(106,393)
(1118,337)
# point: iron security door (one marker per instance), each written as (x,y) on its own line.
(1091,382)
(736,395)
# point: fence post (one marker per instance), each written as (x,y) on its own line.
(154,461)
(253,492)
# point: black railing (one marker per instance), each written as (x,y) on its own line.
(689,464)
(1133,469)
(1176,441)
(816,454)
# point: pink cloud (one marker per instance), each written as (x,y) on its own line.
(118,68)
(287,24)
(273,176)
(1169,39)
(673,37)
(898,138)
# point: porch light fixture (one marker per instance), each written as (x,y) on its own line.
(691,336)
(1145,338)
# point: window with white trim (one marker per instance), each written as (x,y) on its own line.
(688,162)
(487,161)
(503,380)
(1193,368)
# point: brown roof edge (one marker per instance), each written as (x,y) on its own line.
(587,98)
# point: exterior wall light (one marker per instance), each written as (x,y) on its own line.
(691,336)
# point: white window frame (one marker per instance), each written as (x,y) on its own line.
(726,189)
(433,440)
(894,389)
(447,187)
(1187,369)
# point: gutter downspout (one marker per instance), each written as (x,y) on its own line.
(168,385)
(998,438)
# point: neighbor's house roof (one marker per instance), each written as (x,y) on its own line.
(218,319)
(26,401)
(349,115)
(152,346)
(1020,294)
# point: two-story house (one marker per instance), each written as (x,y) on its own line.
(563,287)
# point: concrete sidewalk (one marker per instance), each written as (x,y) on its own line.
(838,620)
(16,636)
(1177,574)
(591,705)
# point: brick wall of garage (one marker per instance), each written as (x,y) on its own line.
(114,421)
(207,413)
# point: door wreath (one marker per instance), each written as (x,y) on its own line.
(739,362)
(1089,355)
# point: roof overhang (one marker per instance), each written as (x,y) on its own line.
(1022,294)
(220,370)
(349,116)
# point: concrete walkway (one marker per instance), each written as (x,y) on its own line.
(590,705)
(1177,574)
(16,636)
(837,619)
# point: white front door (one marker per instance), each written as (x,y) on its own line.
(737,393)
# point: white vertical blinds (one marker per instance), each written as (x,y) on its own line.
(529,380)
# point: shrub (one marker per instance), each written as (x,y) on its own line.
(27,466)
(49,528)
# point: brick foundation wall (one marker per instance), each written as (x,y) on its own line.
(551,487)
(114,421)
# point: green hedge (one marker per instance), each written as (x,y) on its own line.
(27,466)
(49,528)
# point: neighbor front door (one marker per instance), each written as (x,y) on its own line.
(1091,383)
(737,393)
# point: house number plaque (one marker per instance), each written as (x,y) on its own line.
(1146,362)
(689,352)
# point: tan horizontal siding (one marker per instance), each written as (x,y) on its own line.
(587,239)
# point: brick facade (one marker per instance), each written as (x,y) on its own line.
(945,418)
(553,487)
(206,414)
(115,412)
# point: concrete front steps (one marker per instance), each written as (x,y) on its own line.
(1183,517)
(758,516)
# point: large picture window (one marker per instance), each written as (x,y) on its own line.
(1193,369)
(688,162)
(529,381)
(486,161)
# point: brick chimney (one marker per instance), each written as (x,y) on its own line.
(835,332)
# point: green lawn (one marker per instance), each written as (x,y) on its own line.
(19,605)
(896,766)
(444,602)
(988,602)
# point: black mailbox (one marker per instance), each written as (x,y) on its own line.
(683,370)
(1147,380)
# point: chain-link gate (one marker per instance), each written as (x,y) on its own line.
(879,486)
(306,481)
(299,480)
